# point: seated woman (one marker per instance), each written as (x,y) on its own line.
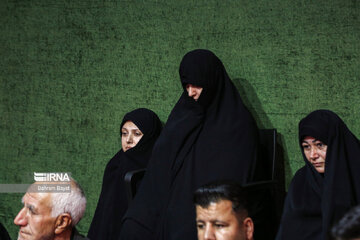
(210,135)
(329,183)
(139,131)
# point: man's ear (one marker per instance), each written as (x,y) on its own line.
(63,222)
(248,228)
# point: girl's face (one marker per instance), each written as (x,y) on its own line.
(315,152)
(130,135)
(193,91)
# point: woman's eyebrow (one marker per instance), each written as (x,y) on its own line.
(313,141)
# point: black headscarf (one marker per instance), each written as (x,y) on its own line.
(211,139)
(316,201)
(112,202)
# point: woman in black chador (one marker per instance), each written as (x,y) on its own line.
(209,135)
(139,131)
(328,185)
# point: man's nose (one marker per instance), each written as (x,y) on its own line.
(209,233)
(20,219)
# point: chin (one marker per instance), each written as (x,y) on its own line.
(20,237)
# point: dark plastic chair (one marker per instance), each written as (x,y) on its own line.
(267,140)
(261,208)
(275,176)
(132,182)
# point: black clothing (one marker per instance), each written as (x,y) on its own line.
(77,236)
(316,201)
(113,202)
(4,235)
(206,140)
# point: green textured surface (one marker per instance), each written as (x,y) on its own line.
(69,70)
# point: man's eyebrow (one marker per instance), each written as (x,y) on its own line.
(31,207)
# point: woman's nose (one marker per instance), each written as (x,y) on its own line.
(129,138)
(313,153)
(191,91)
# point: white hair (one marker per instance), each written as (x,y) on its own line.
(73,203)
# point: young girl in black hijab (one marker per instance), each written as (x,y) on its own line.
(139,131)
(329,183)
(209,135)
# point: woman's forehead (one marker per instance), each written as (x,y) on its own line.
(129,125)
(310,139)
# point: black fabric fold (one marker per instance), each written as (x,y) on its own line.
(203,141)
(113,203)
(316,201)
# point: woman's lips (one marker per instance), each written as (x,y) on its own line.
(320,164)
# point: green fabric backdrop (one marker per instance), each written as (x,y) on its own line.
(70,70)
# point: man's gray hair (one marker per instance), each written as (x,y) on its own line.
(73,203)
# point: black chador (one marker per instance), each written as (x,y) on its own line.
(315,201)
(209,139)
(113,203)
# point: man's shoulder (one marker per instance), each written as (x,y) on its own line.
(77,236)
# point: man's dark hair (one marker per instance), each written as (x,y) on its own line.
(222,190)
(349,225)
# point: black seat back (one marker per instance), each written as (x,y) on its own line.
(132,182)
(267,142)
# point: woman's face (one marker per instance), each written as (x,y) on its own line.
(193,91)
(315,152)
(130,135)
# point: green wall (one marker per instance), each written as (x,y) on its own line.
(70,70)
